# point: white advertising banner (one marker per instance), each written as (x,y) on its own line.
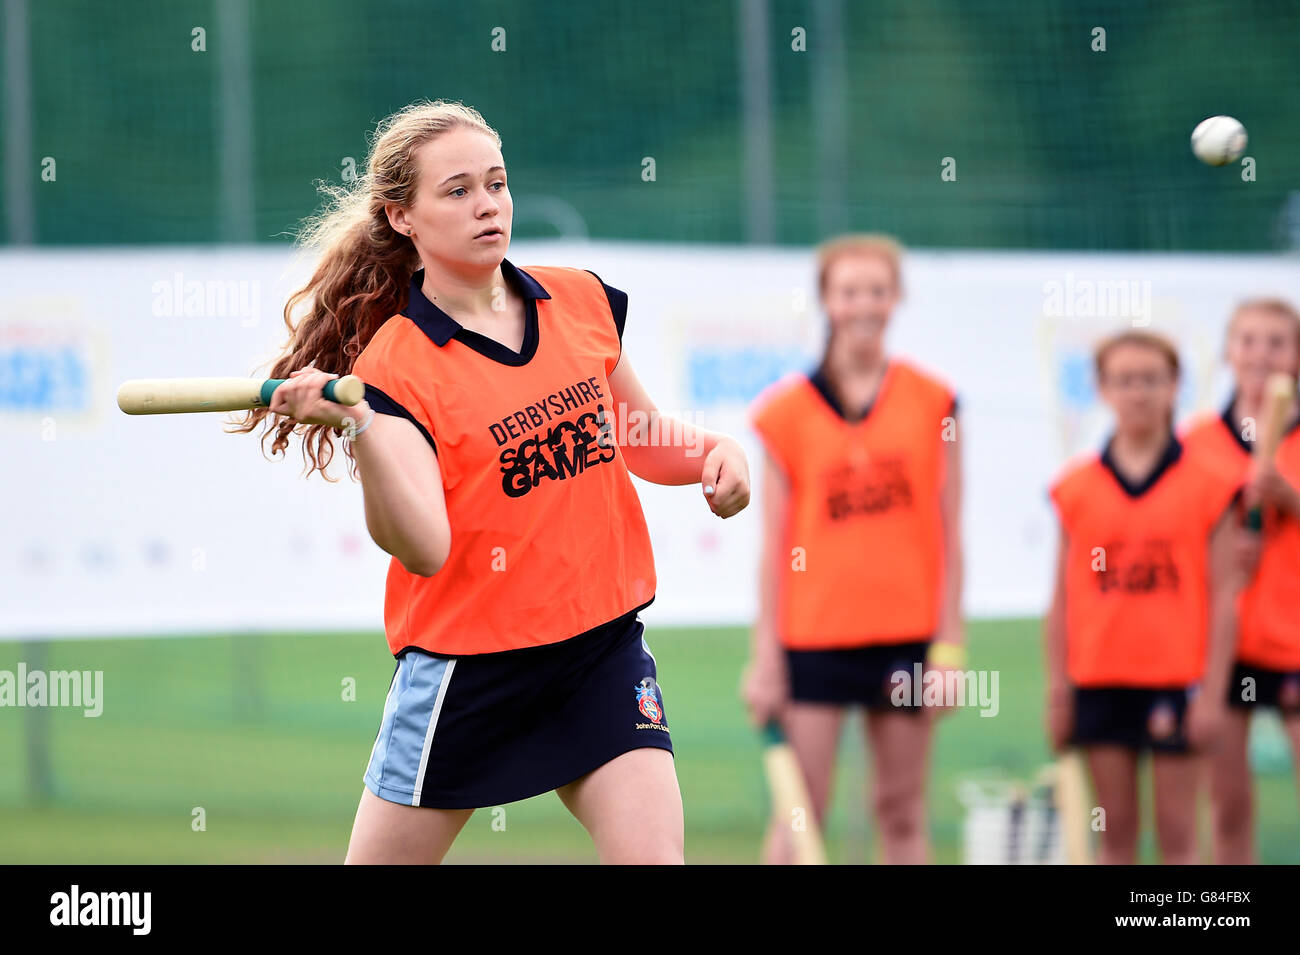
(120,525)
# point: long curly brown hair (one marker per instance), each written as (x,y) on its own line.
(364,270)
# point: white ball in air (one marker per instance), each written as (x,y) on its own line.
(1219,140)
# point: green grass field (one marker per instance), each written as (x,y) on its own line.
(255,730)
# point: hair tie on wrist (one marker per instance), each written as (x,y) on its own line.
(351,437)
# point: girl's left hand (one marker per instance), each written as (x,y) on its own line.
(945,705)
(1269,487)
(1205,719)
(950,657)
(301,398)
(725,478)
(1246,550)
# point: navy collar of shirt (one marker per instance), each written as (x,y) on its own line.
(817,377)
(1173,451)
(1235,431)
(1228,423)
(441,327)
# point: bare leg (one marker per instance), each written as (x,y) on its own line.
(1231,795)
(900,754)
(388,833)
(632,807)
(1114,779)
(1292,724)
(1177,779)
(813,730)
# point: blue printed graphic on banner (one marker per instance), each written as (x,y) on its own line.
(1077,389)
(36,378)
(737,374)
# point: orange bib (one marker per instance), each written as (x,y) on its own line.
(862,547)
(548,539)
(1136,590)
(1268,608)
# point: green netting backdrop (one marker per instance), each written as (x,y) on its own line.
(1057,145)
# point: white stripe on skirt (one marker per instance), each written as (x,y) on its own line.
(433,725)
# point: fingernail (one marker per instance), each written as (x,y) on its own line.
(708,489)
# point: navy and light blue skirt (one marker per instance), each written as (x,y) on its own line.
(488,729)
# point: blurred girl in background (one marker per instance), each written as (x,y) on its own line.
(1263,340)
(1140,631)
(861,557)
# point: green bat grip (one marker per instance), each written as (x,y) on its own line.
(1255,519)
(773,734)
(347,390)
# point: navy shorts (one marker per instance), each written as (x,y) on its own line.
(1253,686)
(488,729)
(1134,717)
(858,676)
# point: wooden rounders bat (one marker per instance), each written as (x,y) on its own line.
(1278,393)
(186,395)
(791,805)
